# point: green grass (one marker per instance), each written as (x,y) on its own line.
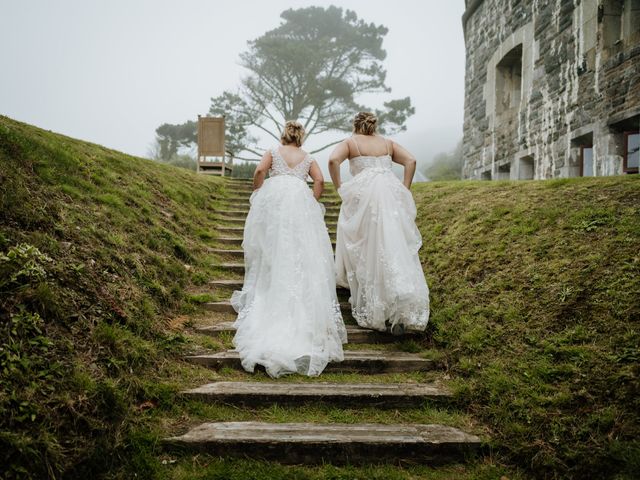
(535,290)
(104,263)
(123,239)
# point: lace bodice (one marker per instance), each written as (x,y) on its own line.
(358,164)
(280,167)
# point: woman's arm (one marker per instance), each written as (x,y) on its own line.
(262,169)
(339,155)
(318,180)
(402,156)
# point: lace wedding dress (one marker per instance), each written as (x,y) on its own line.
(377,248)
(288,314)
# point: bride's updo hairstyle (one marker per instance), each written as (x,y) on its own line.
(365,123)
(293,133)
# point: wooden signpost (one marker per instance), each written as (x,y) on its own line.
(211,144)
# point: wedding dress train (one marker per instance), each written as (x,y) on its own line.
(377,248)
(288,313)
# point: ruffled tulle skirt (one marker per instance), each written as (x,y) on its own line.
(377,252)
(289,318)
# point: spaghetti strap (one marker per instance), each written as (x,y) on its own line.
(356,144)
(386,142)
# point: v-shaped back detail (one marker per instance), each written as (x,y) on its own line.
(279,166)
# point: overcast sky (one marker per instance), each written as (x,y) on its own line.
(111,71)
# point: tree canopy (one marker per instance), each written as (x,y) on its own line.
(311,68)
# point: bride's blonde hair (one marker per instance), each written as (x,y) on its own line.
(293,133)
(365,123)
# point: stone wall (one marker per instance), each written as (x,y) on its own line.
(550,84)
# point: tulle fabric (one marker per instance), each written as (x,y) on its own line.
(289,317)
(377,248)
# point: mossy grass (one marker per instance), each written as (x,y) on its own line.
(534,291)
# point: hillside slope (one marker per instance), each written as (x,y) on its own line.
(98,249)
(534,291)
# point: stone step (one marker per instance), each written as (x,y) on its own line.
(355,334)
(311,443)
(343,395)
(233,213)
(355,361)
(230,220)
(226,307)
(232,267)
(241,201)
(331,224)
(242,214)
(244,206)
(237,285)
(231,230)
(238,241)
(229,240)
(228,253)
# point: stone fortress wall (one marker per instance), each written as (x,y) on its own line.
(552,88)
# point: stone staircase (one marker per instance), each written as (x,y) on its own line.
(316,443)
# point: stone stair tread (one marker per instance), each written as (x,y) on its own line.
(324,389)
(363,361)
(344,395)
(237,283)
(313,443)
(226,305)
(355,333)
(226,251)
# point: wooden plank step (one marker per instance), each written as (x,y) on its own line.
(226,205)
(242,214)
(232,267)
(312,443)
(345,395)
(355,334)
(355,361)
(226,307)
(238,241)
(233,213)
(228,252)
(243,200)
(229,240)
(226,230)
(237,285)
(230,220)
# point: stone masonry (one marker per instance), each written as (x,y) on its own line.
(552,88)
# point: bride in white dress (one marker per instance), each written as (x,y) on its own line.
(377,240)
(289,317)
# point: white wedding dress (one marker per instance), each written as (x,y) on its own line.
(288,313)
(377,248)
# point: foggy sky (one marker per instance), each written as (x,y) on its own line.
(112,71)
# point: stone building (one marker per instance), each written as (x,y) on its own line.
(552,88)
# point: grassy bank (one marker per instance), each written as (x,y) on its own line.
(535,292)
(535,310)
(97,251)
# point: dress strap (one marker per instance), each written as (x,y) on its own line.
(386,142)
(356,144)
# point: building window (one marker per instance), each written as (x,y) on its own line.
(526,168)
(631,21)
(504,172)
(586,161)
(631,152)
(486,175)
(509,81)
(581,162)
(620,22)
(611,17)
